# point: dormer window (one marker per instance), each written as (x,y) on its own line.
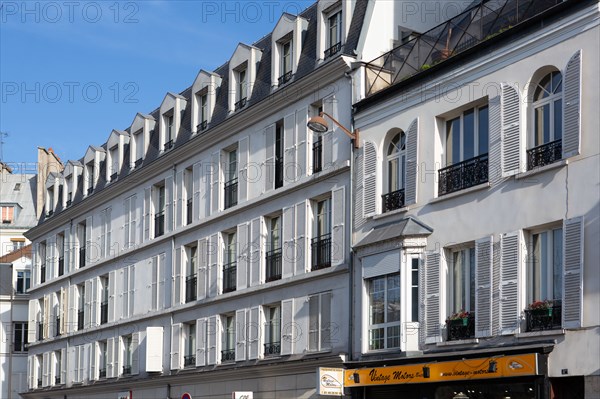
(241,92)
(334,34)
(69,189)
(286,62)
(202,111)
(114,162)
(89,172)
(8,214)
(286,48)
(203,101)
(138,145)
(50,202)
(169,131)
(171,110)
(242,75)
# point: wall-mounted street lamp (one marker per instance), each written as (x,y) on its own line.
(319,125)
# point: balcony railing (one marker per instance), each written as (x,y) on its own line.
(168,145)
(57,326)
(90,190)
(61,265)
(317,153)
(466,30)
(113,177)
(190,288)
(39,383)
(393,200)
(461,328)
(231,193)
(57,380)
(69,202)
(228,355)
(469,173)
(80,319)
(321,252)
(43,273)
(189,211)
(272,348)
(544,154)
(104,312)
(544,319)
(202,126)
(82,257)
(273,265)
(50,213)
(138,162)
(286,77)
(229,277)
(189,361)
(126,370)
(333,50)
(159,224)
(279,172)
(102,373)
(240,104)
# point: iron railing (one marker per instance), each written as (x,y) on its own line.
(469,173)
(228,355)
(202,126)
(544,154)
(168,145)
(126,370)
(273,265)
(39,383)
(159,224)
(190,288)
(544,319)
(113,177)
(317,153)
(189,211)
(138,162)
(458,329)
(240,104)
(82,257)
(104,312)
(321,252)
(102,373)
(61,265)
(231,193)
(286,77)
(393,200)
(90,190)
(333,50)
(229,277)
(50,213)
(69,202)
(57,380)
(189,360)
(272,348)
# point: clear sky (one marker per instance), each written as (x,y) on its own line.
(71,71)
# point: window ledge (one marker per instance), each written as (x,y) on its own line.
(455,194)
(541,333)
(391,213)
(535,171)
(459,342)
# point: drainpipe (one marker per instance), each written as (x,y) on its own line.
(12,327)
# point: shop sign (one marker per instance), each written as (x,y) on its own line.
(125,395)
(241,395)
(331,381)
(456,370)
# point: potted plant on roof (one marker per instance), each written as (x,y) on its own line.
(460,318)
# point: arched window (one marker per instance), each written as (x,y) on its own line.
(396,159)
(547,110)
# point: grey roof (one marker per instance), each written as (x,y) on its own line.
(407,227)
(24,197)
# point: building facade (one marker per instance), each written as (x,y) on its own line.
(476,208)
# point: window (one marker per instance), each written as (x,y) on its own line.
(102,359)
(56,311)
(105,232)
(273,260)
(89,170)
(231,179)
(17,243)
(286,62)
(56,367)
(103,299)
(130,225)
(192,269)
(241,89)
(189,194)
(466,146)
(396,170)
(69,184)
(334,34)
(321,243)
(228,343)
(138,143)
(279,165)
(273,330)
(461,295)
(203,110)
(39,365)
(317,150)
(544,274)
(42,255)
(82,238)
(414,290)
(20,337)
(189,359)
(230,262)
(319,329)
(23,281)
(50,202)
(169,131)
(114,162)
(384,312)
(159,216)
(8,214)
(546,141)
(60,247)
(127,354)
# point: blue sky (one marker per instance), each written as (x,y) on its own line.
(71,71)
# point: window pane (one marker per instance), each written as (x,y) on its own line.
(471,304)
(313,323)
(539,126)
(557,120)
(393,337)
(376,339)
(393,174)
(469,135)
(377,301)
(557,263)
(393,298)
(483,130)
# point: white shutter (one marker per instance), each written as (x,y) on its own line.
(90,255)
(102,236)
(243,256)
(118,357)
(269,169)
(483,286)
(134,221)
(147,212)
(135,353)
(72,326)
(46,315)
(154,283)
(63,366)
(201,274)
(84,361)
(169,203)
(95,311)
(215,188)
(177,276)
(30,372)
(510,256)
(52,369)
(112,282)
(243,160)
(87,310)
(127,226)
(154,349)
(572,107)
(72,364)
(160,292)
(94,362)
(288,252)
(289,153)
(35,264)
(287,326)
(64,310)
(370,199)
(213,332)
(338,231)
(50,259)
(205,194)
(240,335)
(198,203)
(301,142)
(329,107)
(495,146)
(110,369)
(301,247)
(180,200)
(176,346)
(253,332)
(201,342)
(213,272)
(412,157)
(572,300)
(511,140)
(255,252)
(432,297)
(45,369)
(32,325)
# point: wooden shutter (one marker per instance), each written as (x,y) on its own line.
(572,300)
(32,324)
(199,201)
(135,353)
(289,153)
(205,187)
(412,159)
(112,285)
(288,252)
(180,199)
(510,262)
(483,286)
(242,254)
(269,169)
(240,335)
(215,188)
(46,317)
(202,271)
(154,283)
(338,230)
(90,255)
(213,332)
(301,142)
(495,146)
(93,362)
(369,182)
(511,140)
(214,250)
(134,222)
(243,148)
(572,107)
(178,276)
(301,238)
(253,332)
(432,297)
(147,212)
(287,327)
(256,252)
(201,342)
(45,369)
(110,358)
(154,349)
(162,276)
(64,310)
(72,326)
(176,346)
(63,366)
(329,107)
(118,356)
(87,310)
(95,302)
(169,203)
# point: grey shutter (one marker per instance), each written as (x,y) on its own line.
(95,302)
(200,342)
(242,254)
(147,212)
(301,238)
(240,335)
(117,357)
(572,300)
(496,289)
(72,326)
(68,256)
(90,255)
(205,190)
(32,325)
(214,250)
(269,169)
(370,200)
(202,272)
(178,276)
(256,252)
(87,312)
(93,361)
(338,230)
(432,297)
(63,366)
(112,285)
(243,148)
(199,201)
(510,256)
(161,291)
(135,353)
(289,153)
(176,346)
(412,151)
(179,201)
(301,142)
(381,264)
(511,141)
(215,187)
(287,326)
(329,108)
(288,252)
(495,144)
(110,358)
(572,107)
(483,286)
(213,332)
(169,206)
(253,332)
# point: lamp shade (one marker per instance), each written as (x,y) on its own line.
(318,124)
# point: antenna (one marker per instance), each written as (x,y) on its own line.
(2,135)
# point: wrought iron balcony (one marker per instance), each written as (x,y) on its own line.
(102,373)
(50,213)
(159,224)
(333,50)
(461,328)
(190,288)
(39,383)
(393,200)
(61,265)
(273,265)
(272,348)
(43,273)
(466,30)
(544,319)
(113,177)
(544,154)
(321,252)
(168,145)
(469,173)
(189,211)
(57,326)
(189,361)
(317,153)
(57,380)
(231,193)
(82,257)
(80,318)
(104,312)
(69,201)
(202,126)
(90,190)
(126,370)
(240,104)
(228,355)
(286,77)
(138,162)
(229,277)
